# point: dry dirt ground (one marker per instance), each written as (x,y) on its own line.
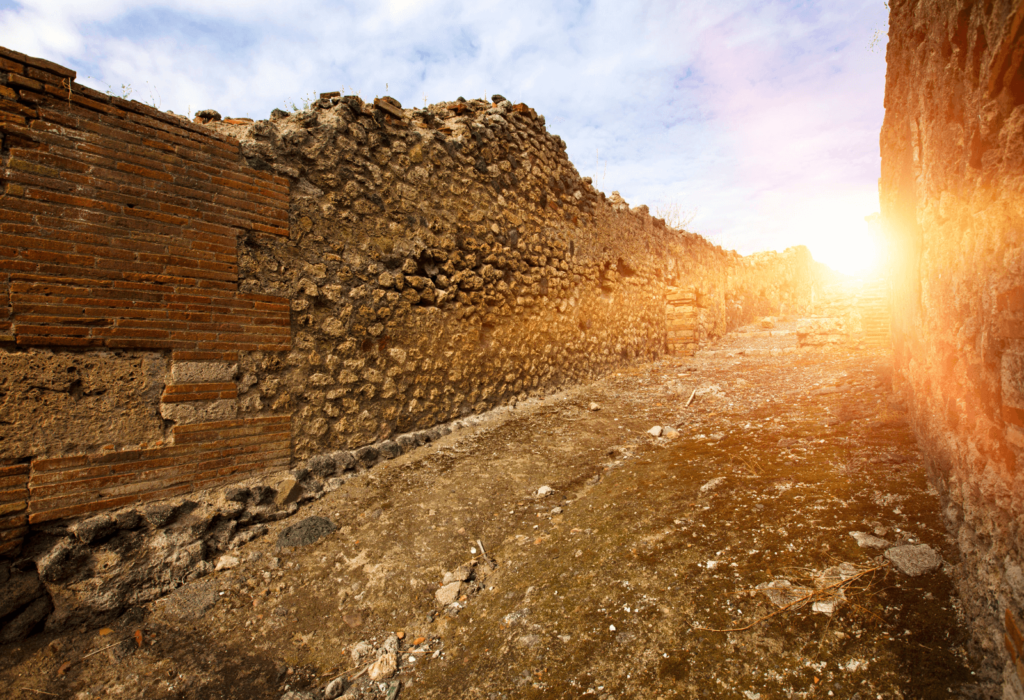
(614,585)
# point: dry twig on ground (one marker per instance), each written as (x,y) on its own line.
(816,593)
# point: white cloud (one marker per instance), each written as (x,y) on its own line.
(748,111)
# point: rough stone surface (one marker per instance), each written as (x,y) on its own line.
(27,620)
(191,601)
(867,540)
(448,593)
(914,559)
(453,259)
(57,403)
(200,372)
(288,491)
(305,532)
(199,411)
(21,588)
(951,190)
(93,529)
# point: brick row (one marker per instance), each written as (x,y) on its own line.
(63,487)
(103,156)
(133,485)
(229,429)
(212,391)
(94,190)
(200,145)
(192,356)
(48,482)
(165,317)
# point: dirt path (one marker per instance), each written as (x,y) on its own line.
(612,585)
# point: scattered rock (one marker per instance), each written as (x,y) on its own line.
(782,593)
(321,466)
(669,432)
(288,491)
(61,561)
(192,600)
(594,406)
(655,431)
(463,573)
(712,485)
(236,494)
(448,593)
(204,116)
(869,541)
(159,514)
(710,390)
(384,667)
(20,589)
(824,606)
(360,650)
(334,689)
(299,695)
(226,562)
(305,532)
(545,491)
(27,620)
(914,559)
(127,519)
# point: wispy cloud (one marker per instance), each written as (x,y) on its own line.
(763,115)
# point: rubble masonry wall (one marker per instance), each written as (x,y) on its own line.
(952,194)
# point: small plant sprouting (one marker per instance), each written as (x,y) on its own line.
(307,102)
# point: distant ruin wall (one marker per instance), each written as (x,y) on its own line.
(189,304)
(952,194)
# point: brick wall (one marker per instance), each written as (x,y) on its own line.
(119,228)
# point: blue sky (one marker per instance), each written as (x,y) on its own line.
(760,116)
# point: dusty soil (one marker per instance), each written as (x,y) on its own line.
(613,585)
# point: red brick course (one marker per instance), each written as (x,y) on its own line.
(13,505)
(119,228)
(112,209)
(203,455)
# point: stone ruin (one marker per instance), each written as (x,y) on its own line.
(204,324)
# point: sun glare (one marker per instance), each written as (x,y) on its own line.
(846,241)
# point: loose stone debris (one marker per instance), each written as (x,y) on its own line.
(914,560)
(446,572)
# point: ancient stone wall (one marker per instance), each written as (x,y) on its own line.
(191,304)
(448,259)
(122,315)
(952,194)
